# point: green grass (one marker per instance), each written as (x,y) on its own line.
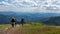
(35,28)
(38,29)
(2,26)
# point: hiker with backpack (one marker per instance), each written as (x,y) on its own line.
(22,21)
(13,22)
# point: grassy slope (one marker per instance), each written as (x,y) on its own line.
(38,29)
(35,28)
(3,26)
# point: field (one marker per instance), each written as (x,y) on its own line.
(34,28)
(3,26)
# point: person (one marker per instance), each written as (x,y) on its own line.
(22,21)
(13,22)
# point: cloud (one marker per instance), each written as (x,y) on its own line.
(6,3)
(30,5)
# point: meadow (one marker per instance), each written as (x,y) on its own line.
(39,29)
(34,28)
(3,26)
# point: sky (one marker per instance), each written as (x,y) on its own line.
(44,6)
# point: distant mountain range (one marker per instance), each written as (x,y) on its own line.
(5,17)
(51,20)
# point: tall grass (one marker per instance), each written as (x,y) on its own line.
(37,28)
(3,26)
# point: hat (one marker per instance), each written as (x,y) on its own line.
(12,17)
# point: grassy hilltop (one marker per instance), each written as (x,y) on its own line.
(34,28)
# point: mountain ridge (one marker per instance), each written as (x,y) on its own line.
(5,17)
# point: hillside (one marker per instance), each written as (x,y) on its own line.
(30,29)
(51,20)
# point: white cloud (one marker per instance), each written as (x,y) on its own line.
(6,3)
(30,5)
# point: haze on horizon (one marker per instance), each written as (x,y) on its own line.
(44,6)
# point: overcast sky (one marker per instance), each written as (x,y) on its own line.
(44,6)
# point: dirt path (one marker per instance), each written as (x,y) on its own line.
(10,30)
